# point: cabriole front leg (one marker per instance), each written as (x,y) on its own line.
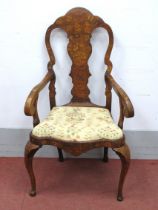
(30,150)
(124,154)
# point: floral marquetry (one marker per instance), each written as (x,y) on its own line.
(79,24)
(80,125)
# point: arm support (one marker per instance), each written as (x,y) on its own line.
(126,107)
(30,108)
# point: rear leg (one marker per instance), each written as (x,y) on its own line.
(61,158)
(105,157)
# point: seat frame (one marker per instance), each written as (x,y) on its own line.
(79,23)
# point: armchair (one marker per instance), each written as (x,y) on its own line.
(79,125)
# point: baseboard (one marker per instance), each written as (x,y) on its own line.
(143,145)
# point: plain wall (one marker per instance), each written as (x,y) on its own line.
(23,56)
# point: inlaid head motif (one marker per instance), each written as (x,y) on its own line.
(79,24)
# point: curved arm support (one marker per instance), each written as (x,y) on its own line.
(30,108)
(126,107)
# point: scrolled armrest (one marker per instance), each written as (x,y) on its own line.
(128,110)
(30,108)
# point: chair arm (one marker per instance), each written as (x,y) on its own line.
(30,108)
(125,103)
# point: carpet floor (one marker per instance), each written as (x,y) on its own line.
(78,184)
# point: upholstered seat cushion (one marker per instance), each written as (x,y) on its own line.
(81,124)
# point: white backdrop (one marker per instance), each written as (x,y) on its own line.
(23,57)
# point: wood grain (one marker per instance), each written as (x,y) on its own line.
(124,154)
(78,23)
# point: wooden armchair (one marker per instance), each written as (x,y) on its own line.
(80,125)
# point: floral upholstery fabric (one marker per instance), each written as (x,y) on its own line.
(81,124)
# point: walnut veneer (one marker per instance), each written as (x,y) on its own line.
(79,24)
